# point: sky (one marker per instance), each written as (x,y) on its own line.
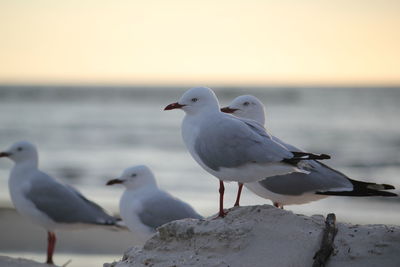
(257,42)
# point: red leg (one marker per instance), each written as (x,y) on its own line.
(238,195)
(221,199)
(51,243)
(279,206)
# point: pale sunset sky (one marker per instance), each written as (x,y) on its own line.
(258,42)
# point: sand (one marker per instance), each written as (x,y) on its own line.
(12,262)
(264,236)
(254,236)
(19,238)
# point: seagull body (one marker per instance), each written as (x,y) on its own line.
(47,202)
(299,188)
(144,207)
(230,148)
(215,144)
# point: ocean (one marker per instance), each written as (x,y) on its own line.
(89,134)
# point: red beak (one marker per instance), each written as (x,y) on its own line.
(114,181)
(4,154)
(228,109)
(173,106)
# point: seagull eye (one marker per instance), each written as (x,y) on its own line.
(19,149)
(194,99)
(133,175)
(246,103)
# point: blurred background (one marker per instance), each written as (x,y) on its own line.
(87,82)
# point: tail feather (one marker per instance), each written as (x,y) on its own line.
(380,186)
(116,224)
(370,193)
(363,189)
(120,223)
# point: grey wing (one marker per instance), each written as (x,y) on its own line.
(320,179)
(163,209)
(108,219)
(288,146)
(233,142)
(63,204)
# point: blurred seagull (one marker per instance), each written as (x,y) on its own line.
(144,207)
(300,188)
(230,148)
(47,202)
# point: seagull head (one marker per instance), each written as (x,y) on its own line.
(196,100)
(248,107)
(135,177)
(20,152)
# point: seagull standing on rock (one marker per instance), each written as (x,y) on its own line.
(230,148)
(45,201)
(144,207)
(300,188)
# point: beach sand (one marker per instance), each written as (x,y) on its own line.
(248,236)
(86,247)
(18,262)
(264,236)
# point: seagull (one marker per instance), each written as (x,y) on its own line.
(144,207)
(47,202)
(231,148)
(300,188)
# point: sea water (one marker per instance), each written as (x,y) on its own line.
(87,135)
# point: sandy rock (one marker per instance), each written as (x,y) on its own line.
(263,236)
(18,262)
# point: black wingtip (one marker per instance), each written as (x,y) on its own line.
(388,194)
(364,189)
(299,156)
(309,156)
(325,156)
(388,186)
(372,193)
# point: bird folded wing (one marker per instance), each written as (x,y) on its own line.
(234,142)
(62,204)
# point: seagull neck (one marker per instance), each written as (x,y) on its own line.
(143,188)
(204,114)
(261,119)
(31,163)
(21,169)
(259,115)
(212,111)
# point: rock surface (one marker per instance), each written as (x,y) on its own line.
(13,262)
(264,236)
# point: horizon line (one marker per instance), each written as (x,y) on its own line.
(196,83)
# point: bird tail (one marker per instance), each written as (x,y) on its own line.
(364,189)
(116,224)
(299,156)
(120,223)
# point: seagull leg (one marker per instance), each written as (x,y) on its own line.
(51,243)
(279,206)
(238,194)
(221,199)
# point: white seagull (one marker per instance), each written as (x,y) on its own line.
(300,188)
(230,148)
(47,202)
(144,207)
